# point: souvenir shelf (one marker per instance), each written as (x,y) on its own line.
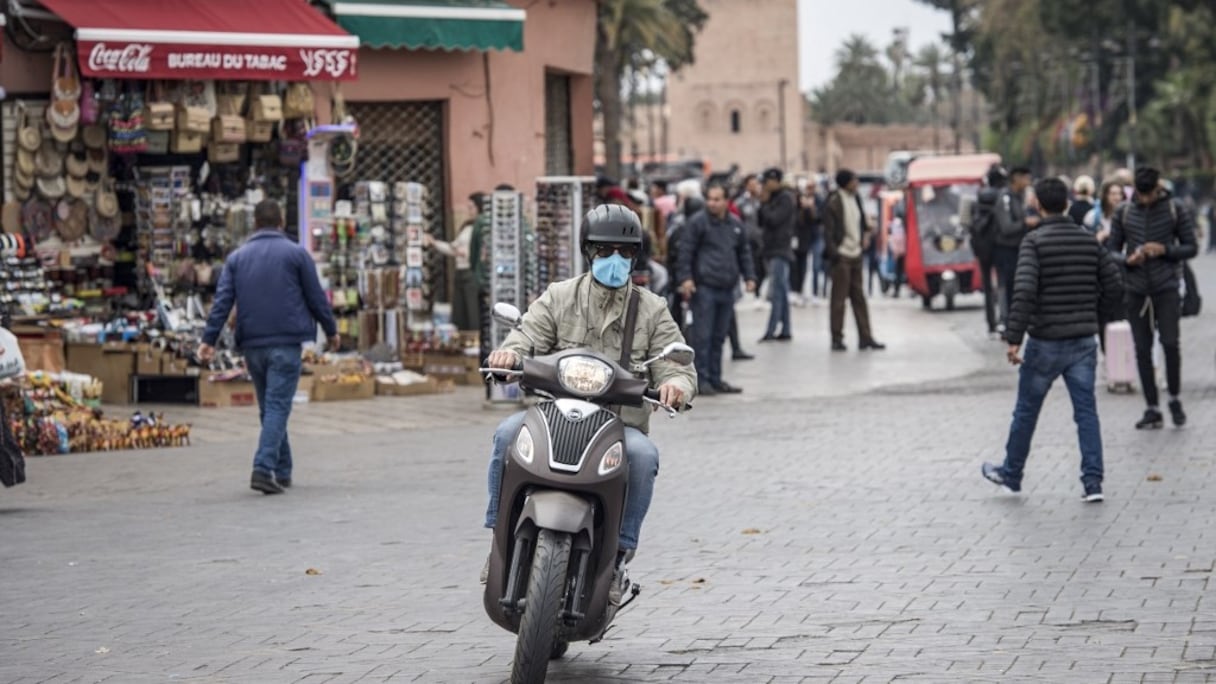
(561,202)
(508,280)
(161,228)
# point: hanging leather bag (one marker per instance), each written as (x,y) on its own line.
(228,126)
(158,112)
(298,103)
(266,107)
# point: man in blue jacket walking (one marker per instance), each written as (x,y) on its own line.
(279,302)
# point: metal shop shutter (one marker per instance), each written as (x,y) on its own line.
(404,141)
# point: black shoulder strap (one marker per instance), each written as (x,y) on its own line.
(631,321)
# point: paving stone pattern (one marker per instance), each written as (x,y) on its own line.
(822,538)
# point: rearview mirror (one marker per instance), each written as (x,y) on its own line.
(507,314)
(678,353)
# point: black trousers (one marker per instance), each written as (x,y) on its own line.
(1005,260)
(989,291)
(798,275)
(1161,311)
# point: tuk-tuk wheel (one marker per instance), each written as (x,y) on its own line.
(926,302)
(949,302)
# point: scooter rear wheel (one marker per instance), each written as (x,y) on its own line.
(537,639)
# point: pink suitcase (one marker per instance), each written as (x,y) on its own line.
(1120,357)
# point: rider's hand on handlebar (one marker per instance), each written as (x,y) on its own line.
(671,395)
(504,359)
(687,288)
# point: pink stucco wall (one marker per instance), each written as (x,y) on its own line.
(509,145)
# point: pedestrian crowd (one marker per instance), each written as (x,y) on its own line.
(715,243)
(1095,271)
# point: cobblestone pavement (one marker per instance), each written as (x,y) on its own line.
(798,534)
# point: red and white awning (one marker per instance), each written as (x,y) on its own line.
(266,40)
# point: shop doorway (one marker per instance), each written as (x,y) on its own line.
(404,142)
(559,153)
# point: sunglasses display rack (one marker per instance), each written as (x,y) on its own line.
(162,222)
(411,208)
(507,276)
(561,202)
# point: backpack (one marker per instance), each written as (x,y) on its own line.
(983,226)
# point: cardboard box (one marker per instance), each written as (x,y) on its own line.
(429,386)
(224,394)
(147,360)
(42,350)
(112,363)
(337,391)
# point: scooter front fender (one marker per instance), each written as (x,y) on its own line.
(557,510)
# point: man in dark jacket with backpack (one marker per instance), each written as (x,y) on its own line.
(1063,278)
(1154,236)
(1012,225)
(983,238)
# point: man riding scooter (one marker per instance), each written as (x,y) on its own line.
(593,311)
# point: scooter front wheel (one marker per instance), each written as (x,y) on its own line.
(538,637)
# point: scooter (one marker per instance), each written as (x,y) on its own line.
(555,544)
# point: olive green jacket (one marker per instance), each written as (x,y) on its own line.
(581,313)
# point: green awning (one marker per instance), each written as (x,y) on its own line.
(431,24)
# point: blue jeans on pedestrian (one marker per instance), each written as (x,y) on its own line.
(712,311)
(643,469)
(779,295)
(1042,362)
(276,374)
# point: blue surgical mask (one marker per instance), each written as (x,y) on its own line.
(611,271)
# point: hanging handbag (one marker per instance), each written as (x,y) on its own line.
(128,134)
(298,102)
(158,112)
(266,107)
(65,83)
(230,98)
(29,136)
(228,125)
(223,152)
(186,142)
(158,142)
(192,119)
(258,131)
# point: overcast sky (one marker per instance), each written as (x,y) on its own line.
(824,24)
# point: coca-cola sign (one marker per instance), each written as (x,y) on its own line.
(206,62)
(133,58)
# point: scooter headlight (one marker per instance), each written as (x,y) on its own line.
(584,375)
(523,445)
(612,458)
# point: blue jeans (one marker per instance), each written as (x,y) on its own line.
(713,310)
(779,295)
(276,374)
(643,469)
(1043,361)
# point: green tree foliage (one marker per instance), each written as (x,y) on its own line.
(626,31)
(1042,64)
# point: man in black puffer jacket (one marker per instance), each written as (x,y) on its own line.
(1153,236)
(1063,277)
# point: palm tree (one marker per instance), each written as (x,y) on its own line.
(930,61)
(626,28)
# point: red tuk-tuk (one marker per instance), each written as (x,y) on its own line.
(937,202)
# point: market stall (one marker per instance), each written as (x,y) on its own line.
(135,174)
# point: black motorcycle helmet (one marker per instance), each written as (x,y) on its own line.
(611,224)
